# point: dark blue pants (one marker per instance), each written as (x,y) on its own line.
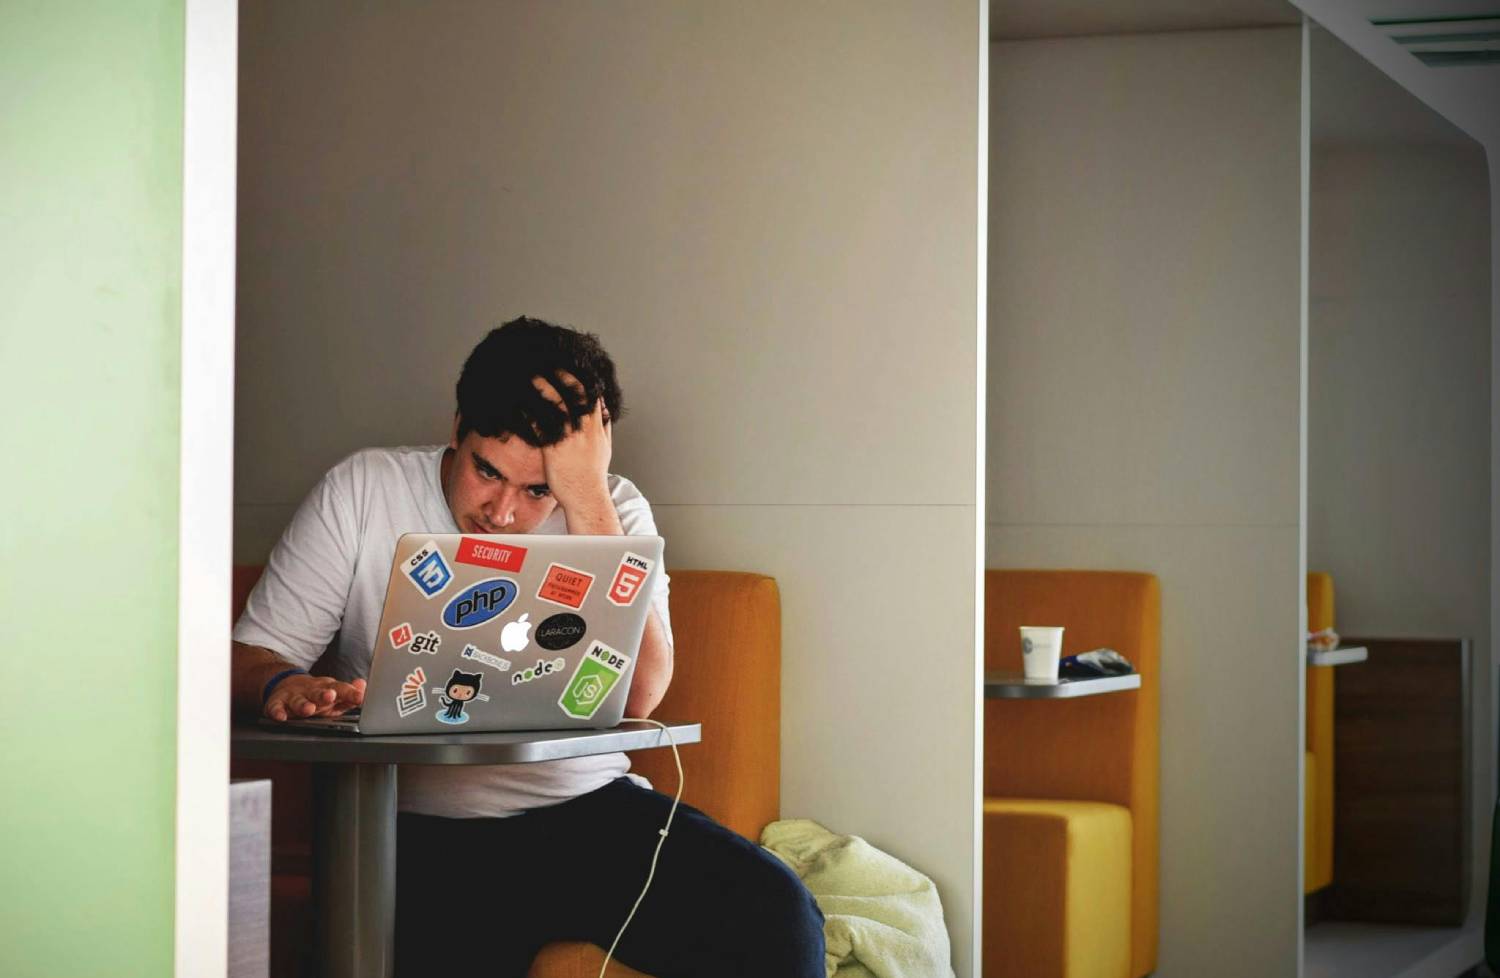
(478,898)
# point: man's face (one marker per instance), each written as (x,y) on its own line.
(497,485)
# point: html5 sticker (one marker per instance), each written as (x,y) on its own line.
(634,570)
(401,635)
(564,585)
(483,553)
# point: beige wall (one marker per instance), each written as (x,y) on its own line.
(769,213)
(1399,407)
(1143,414)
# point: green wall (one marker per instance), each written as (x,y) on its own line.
(91,99)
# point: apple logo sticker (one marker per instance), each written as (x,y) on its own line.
(515,636)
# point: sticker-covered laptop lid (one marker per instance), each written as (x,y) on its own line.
(509,632)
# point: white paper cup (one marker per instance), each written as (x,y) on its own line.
(1041,649)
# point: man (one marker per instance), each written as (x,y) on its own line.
(495,862)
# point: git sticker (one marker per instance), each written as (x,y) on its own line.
(427,643)
(427,570)
(597,673)
(412,696)
(401,635)
(483,553)
(566,586)
(634,570)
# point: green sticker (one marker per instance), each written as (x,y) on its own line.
(592,681)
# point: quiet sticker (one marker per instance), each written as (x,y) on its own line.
(564,585)
(634,569)
(597,673)
(483,553)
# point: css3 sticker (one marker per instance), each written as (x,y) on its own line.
(427,570)
(597,673)
(634,570)
(478,603)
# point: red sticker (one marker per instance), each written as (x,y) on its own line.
(566,586)
(483,553)
(401,636)
(634,570)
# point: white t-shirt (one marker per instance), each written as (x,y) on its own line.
(324,588)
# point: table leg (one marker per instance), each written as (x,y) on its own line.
(354,875)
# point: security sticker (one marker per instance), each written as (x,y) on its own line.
(462,689)
(565,585)
(412,696)
(427,643)
(483,553)
(543,667)
(634,569)
(401,635)
(561,631)
(427,570)
(597,673)
(478,655)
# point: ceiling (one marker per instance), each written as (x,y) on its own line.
(1027,19)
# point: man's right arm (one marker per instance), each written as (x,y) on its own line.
(299,695)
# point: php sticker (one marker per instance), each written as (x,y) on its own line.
(483,553)
(427,570)
(597,673)
(561,631)
(478,655)
(427,643)
(564,585)
(401,635)
(412,696)
(634,570)
(478,603)
(542,668)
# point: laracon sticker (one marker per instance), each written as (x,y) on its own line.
(597,673)
(462,689)
(561,631)
(542,668)
(413,696)
(634,569)
(427,643)
(478,655)
(427,570)
(483,553)
(478,603)
(565,585)
(401,635)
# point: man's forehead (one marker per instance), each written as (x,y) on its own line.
(512,457)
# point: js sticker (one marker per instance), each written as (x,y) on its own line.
(427,570)
(634,570)
(597,673)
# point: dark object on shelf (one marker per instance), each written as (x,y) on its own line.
(1092,665)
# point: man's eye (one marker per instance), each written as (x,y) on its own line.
(490,474)
(539,493)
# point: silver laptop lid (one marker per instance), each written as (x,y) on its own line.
(509,632)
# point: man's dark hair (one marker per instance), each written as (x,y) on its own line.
(495,393)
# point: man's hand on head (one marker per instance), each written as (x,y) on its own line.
(578,466)
(299,697)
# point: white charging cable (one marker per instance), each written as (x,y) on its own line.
(659,842)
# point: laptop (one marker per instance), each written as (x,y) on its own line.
(504,632)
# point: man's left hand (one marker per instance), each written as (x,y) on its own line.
(578,466)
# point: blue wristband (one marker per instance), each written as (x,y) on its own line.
(276,679)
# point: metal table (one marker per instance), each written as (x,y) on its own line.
(1015,686)
(354,827)
(1346,656)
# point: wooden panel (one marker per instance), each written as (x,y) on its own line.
(1401,847)
(249,879)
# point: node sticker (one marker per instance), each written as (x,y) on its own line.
(478,603)
(542,668)
(564,585)
(478,655)
(561,631)
(427,643)
(412,696)
(401,635)
(634,569)
(427,570)
(483,553)
(597,673)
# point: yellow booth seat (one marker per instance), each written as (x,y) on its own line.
(1071,786)
(1318,822)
